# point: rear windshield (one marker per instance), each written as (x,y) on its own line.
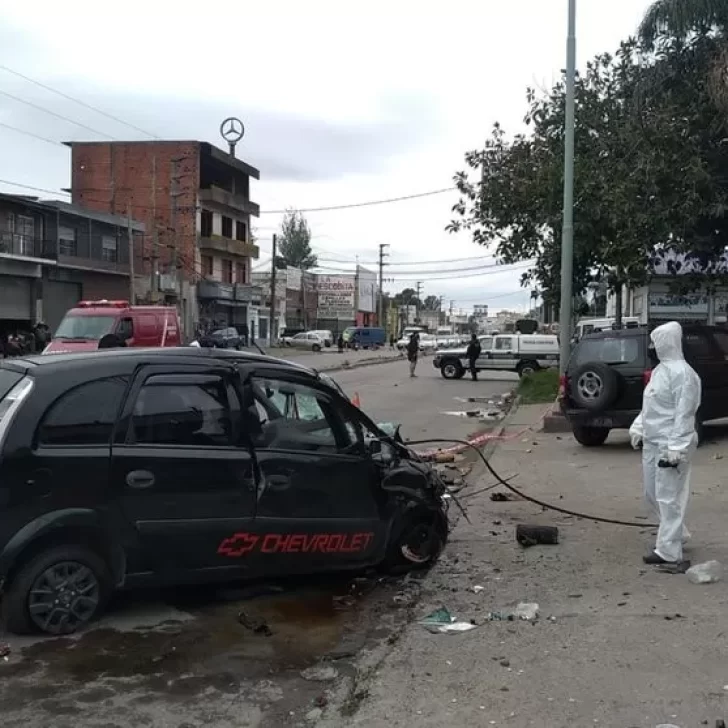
(8,380)
(85,327)
(608,351)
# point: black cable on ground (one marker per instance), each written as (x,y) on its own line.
(520,494)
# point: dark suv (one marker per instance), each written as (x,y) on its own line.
(167,466)
(608,371)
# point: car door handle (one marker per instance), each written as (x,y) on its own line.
(140,479)
(278,481)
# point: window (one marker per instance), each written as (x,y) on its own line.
(125,329)
(241,231)
(67,243)
(610,350)
(697,346)
(173,410)
(25,234)
(721,338)
(227,271)
(241,273)
(85,327)
(227,227)
(84,415)
(486,342)
(299,417)
(206,265)
(206,223)
(109,249)
(503,343)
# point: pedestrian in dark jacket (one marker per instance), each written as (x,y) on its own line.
(473,354)
(413,351)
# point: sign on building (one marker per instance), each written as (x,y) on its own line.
(336,297)
(367,290)
(673,306)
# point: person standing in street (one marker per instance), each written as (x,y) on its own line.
(665,429)
(473,354)
(413,351)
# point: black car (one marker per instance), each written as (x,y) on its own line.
(227,338)
(608,371)
(168,466)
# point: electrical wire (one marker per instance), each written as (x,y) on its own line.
(31,134)
(53,113)
(521,494)
(77,101)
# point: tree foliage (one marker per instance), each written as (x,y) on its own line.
(431,303)
(649,170)
(294,247)
(406,297)
(680,19)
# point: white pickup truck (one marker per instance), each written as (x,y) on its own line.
(521,353)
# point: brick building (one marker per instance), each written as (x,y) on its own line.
(195,202)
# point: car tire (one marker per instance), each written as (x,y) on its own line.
(594,386)
(591,436)
(452,369)
(316,348)
(77,566)
(416,525)
(527,367)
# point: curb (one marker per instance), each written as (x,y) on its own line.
(359,365)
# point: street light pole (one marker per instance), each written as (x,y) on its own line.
(567,232)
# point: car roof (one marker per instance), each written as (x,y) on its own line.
(51,363)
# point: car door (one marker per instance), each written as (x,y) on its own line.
(185,481)
(486,345)
(504,352)
(702,352)
(318,499)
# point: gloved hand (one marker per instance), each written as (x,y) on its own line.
(674,457)
(636,441)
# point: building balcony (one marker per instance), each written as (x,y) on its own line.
(228,246)
(248,293)
(222,198)
(24,246)
(215,290)
(93,264)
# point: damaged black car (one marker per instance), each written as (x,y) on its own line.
(125,468)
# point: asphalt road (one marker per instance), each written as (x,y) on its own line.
(189,658)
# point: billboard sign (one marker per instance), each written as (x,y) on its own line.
(336,296)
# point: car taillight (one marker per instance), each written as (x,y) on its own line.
(563,385)
(11,404)
(646,376)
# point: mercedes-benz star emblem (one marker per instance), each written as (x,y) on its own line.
(232,129)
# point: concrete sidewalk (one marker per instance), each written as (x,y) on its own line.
(617,644)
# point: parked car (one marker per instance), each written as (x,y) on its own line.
(88,324)
(287,334)
(589,326)
(227,338)
(364,337)
(428,343)
(307,340)
(608,371)
(189,465)
(327,336)
(520,353)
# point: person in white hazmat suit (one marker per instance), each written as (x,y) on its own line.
(665,428)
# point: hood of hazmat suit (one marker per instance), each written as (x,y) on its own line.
(666,427)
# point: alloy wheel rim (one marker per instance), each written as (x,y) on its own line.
(64,597)
(590,386)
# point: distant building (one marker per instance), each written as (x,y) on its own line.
(195,202)
(53,255)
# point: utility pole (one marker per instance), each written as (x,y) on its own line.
(417,302)
(272,311)
(567,233)
(155,236)
(380,307)
(130,234)
(174,193)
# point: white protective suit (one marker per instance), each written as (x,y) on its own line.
(666,429)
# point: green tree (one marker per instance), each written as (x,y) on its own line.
(680,19)
(294,247)
(406,297)
(431,303)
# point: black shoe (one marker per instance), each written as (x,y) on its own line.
(654,559)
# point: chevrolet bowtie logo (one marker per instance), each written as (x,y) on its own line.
(238,544)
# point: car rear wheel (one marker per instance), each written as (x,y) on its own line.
(58,592)
(591,436)
(527,367)
(452,369)
(316,348)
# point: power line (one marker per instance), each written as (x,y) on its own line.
(30,187)
(31,134)
(359,204)
(53,113)
(77,101)
(416,274)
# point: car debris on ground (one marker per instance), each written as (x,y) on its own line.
(442,622)
(525,611)
(706,573)
(320,673)
(529,536)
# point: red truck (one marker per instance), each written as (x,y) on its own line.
(93,324)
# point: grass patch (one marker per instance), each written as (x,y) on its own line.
(540,387)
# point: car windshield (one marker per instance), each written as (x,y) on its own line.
(90,328)
(611,350)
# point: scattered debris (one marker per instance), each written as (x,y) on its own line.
(477,588)
(706,573)
(4,650)
(526,611)
(255,626)
(444,457)
(314,714)
(717,456)
(532,535)
(321,701)
(500,497)
(320,673)
(505,663)
(442,622)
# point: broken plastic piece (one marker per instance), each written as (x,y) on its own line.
(477,588)
(706,573)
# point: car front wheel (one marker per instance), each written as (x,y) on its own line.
(452,370)
(316,348)
(58,592)
(591,436)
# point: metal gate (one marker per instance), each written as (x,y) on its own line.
(58,297)
(15,300)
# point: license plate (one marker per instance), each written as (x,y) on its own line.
(601,422)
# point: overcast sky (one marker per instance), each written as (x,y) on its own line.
(343,102)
